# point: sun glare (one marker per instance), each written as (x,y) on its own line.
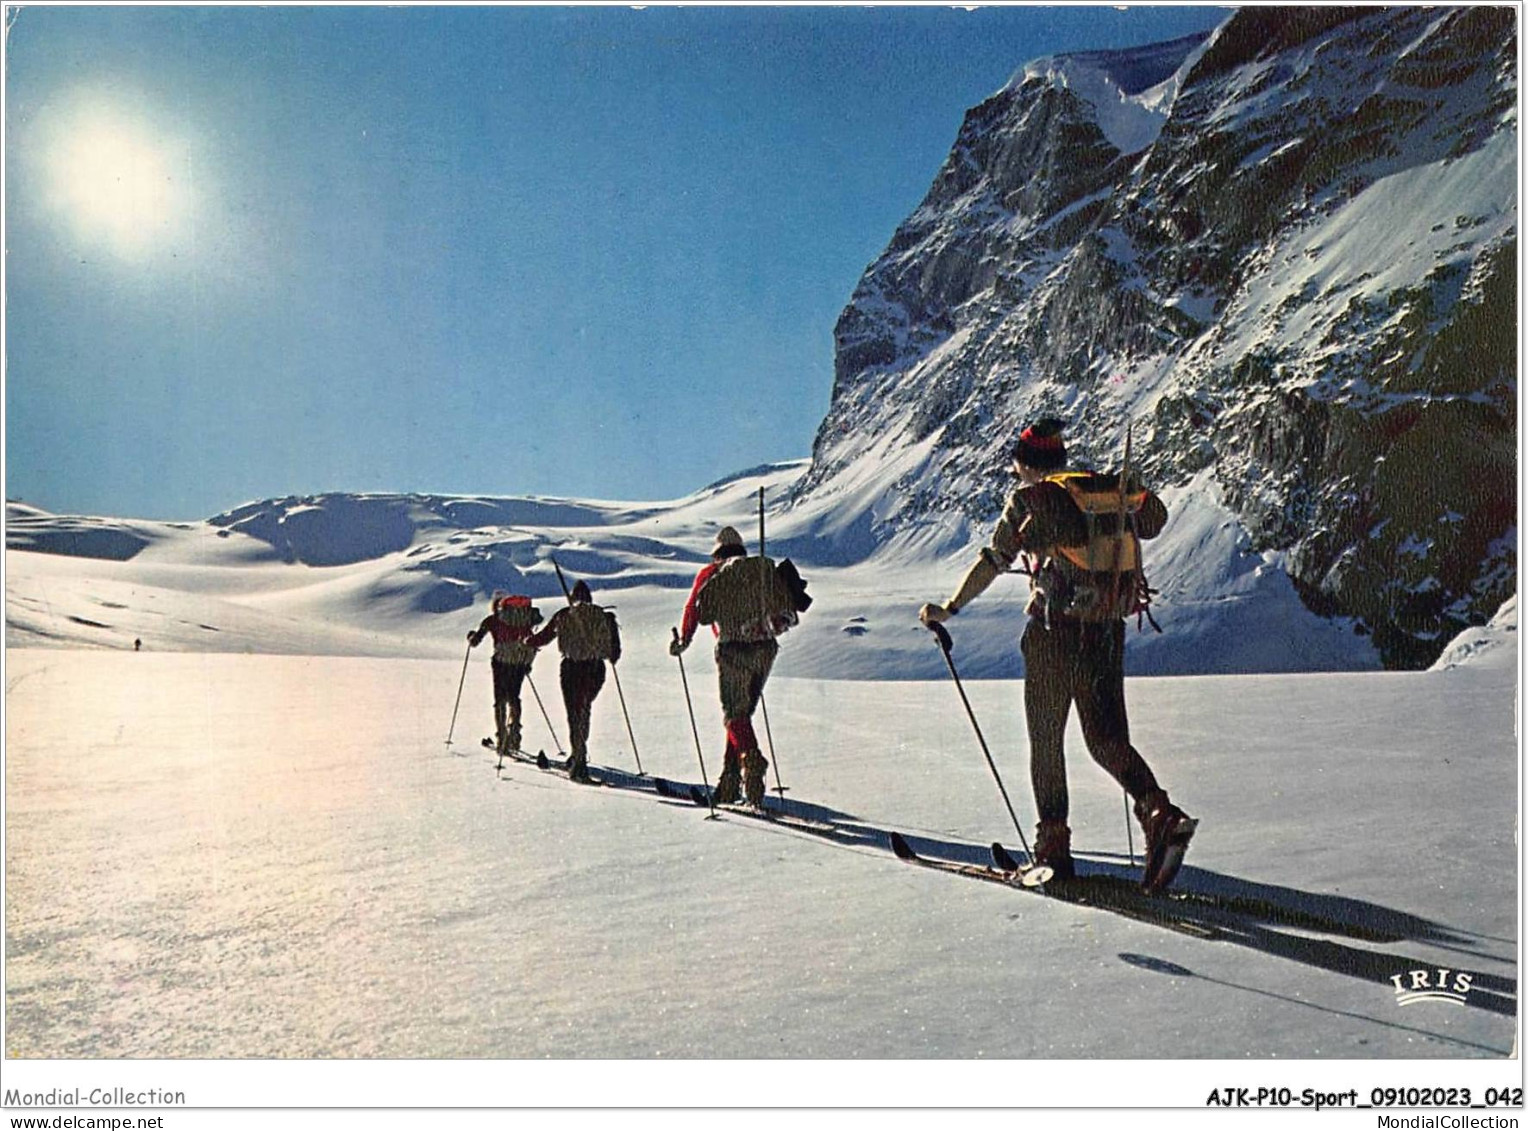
(116,183)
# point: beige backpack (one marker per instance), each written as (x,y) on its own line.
(747,599)
(585,632)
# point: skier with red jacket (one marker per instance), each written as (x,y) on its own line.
(511,624)
(745,652)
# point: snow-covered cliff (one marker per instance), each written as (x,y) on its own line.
(1285,252)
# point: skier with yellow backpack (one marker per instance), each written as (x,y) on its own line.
(1078,535)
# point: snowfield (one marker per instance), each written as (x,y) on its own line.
(265,856)
(407,575)
(250,839)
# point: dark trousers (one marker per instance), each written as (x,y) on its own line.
(1073,662)
(581,682)
(741,668)
(507,681)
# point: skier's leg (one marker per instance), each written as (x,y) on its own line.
(732,684)
(567,679)
(729,785)
(1101,708)
(500,705)
(1099,688)
(516,681)
(761,659)
(576,702)
(1047,703)
(587,681)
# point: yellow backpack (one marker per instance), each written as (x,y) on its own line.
(1099,578)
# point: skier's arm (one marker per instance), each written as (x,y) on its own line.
(475,636)
(995,558)
(544,637)
(691,616)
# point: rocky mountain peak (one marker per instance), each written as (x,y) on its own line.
(1285,252)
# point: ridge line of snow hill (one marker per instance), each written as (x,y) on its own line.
(1226,607)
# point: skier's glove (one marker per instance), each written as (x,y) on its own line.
(935,614)
(677,646)
(472,639)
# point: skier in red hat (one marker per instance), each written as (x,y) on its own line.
(1084,568)
(511,624)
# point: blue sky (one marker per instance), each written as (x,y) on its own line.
(587,251)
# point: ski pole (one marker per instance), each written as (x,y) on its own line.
(1129,833)
(1124,479)
(770,738)
(945,644)
(557,742)
(629,732)
(695,730)
(459,687)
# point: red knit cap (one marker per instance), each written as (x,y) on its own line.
(1040,445)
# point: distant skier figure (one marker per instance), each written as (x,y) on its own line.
(747,607)
(512,623)
(1085,578)
(137,645)
(587,636)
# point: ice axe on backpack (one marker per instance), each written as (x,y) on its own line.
(1038,873)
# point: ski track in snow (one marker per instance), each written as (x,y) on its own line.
(214,855)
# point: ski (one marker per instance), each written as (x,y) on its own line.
(1107,893)
(542,762)
(904,851)
(698,796)
(677,792)
(1030,875)
(781,817)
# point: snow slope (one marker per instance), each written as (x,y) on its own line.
(1285,254)
(215,855)
(407,575)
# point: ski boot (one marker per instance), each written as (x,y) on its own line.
(729,785)
(578,767)
(1168,831)
(1053,848)
(754,765)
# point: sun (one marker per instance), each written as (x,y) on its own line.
(117,183)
